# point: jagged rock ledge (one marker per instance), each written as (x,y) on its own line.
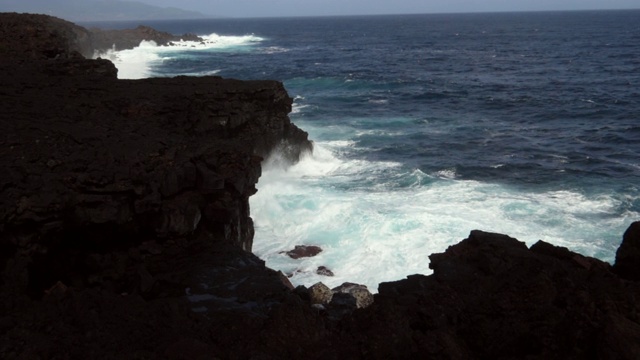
(96,165)
(125,230)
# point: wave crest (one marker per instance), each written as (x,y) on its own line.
(139,62)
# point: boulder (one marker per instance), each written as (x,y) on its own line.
(324,271)
(101,166)
(301,251)
(126,233)
(360,293)
(319,293)
(28,37)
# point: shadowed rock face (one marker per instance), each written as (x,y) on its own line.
(96,165)
(628,255)
(103,165)
(126,234)
(301,251)
(490,297)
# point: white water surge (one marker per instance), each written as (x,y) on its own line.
(371,234)
(139,62)
(380,220)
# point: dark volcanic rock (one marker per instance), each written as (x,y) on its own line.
(338,302)
(324,271)
(37,37)
(301,251)
(97,166)
(124,205)
(627,263)
(319,293)
(32,36)
(492,298)
(110,164)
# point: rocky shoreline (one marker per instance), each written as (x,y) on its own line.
(126,234)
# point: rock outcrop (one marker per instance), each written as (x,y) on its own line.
(125,233)
(491,297)
(102,175)
(627,263)
(301,251)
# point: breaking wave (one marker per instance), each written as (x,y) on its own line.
(379,221)
(142,61)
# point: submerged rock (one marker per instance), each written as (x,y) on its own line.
(360,293)
(301,251)
(320,293)
(324,271)
(490,297)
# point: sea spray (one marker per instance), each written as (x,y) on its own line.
(379,221)
(429,126)
(148,59)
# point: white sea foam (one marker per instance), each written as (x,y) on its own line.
(296,108)
(446,173)
(133,63)
(273,50)
(380,232)
(138,63)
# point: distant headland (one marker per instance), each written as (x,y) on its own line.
(103,10)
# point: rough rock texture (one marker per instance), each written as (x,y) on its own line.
(26,37)
(125,228)
(490,297)
(124,205)
(324,271)
(301,251)
(32,36)
(320,293)
(338,302)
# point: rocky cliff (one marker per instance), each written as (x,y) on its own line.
(126,234)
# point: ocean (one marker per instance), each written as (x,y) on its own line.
(429,126)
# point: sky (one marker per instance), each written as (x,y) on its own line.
(269,8)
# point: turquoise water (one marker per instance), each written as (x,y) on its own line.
(429,126)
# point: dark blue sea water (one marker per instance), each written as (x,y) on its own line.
(429,126)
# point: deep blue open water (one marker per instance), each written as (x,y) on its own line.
(429,126)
